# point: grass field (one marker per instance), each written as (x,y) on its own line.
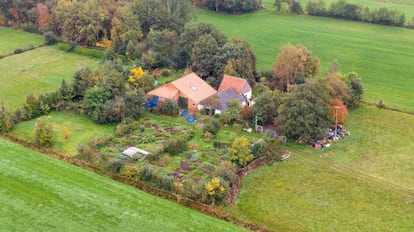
(36,71)
(405,6)
(382,55)
(81,130)
(365,182)
(11,39)
(43,194)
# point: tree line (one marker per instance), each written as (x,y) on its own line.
(344,10)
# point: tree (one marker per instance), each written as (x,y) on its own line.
(126,28)
(267,105)
(203,55)
(43,133)
(239,152)
(239,60)
(292,66)
(83,81)
(338,110)
(356,90)
(6,122)
(306,113)
(94,102)
(162,14)
(338,89)
(134,101)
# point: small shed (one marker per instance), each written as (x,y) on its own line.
(133,150)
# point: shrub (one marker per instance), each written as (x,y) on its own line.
(43,133)
(116,166)
(176,146)
(50,38)
(212,126)
(18,50)
(169,107)
(167,183)
(131,172)
(148,174)
(259,148)
(226,170)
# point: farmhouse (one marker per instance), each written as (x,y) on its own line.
(241,86)
(189,87)
(220,102)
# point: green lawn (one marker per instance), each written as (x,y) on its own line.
(81,130)
(382,55)
(36,71)
(39,193)
(364,182)
(11,39)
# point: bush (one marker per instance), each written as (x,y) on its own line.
(167,183)
(18,50)
(131,172)
(169,107)
(176,146)
(86,152)
(50,38)
(116,166)
(226,170)
(212,126)
(148,174)
(43,133)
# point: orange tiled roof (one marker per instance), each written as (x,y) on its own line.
(167,91)
(193,87)
(190,85)
(239,84)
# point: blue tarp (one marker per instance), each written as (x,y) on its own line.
(184,113)
(153,102)
(191,119)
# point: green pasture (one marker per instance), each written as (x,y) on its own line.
(382,55)
(40,193)
(36,71)
(81,130)
(405,6)
(11,39)
(364,182)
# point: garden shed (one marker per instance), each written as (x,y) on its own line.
(131,151)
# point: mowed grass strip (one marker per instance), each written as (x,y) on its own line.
(11,39)
(364,182)
(36,71)
(80,128)
(382,55)
(40,194)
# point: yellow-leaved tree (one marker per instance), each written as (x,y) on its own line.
(135,75)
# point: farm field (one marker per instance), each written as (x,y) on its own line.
(81,130)
(382,55)
(406,6)
(40,193)
(365,181)
(36,71)
(11,39)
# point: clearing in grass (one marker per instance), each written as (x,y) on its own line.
(36,71)
(381,55)
(40,193)
(364,182)
(11,39)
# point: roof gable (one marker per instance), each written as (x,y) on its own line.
(193,87)
(167,91)
(239,84)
